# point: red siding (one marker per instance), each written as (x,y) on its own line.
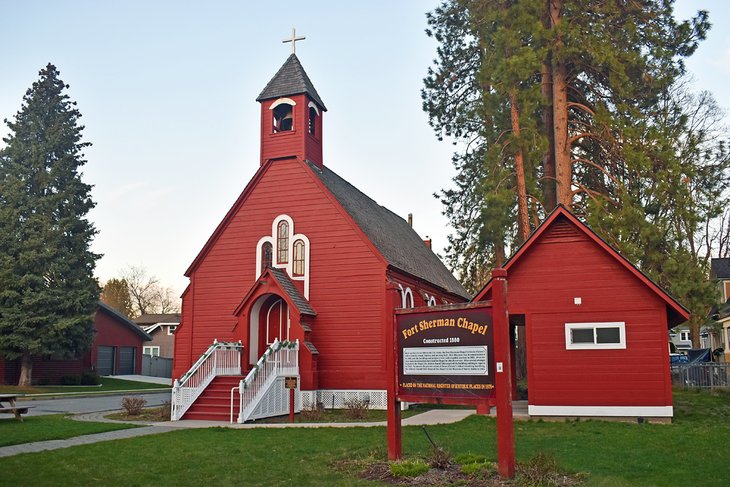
(293,143)
(564,263)
(347,279)
(110,332)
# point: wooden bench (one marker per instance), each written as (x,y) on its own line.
(17,411)
(11,408)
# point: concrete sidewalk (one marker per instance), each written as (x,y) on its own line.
(430,417)
(144,378)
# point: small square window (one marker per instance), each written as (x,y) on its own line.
(588,336)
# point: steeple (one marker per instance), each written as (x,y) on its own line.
(291,115)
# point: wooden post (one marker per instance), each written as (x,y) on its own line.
(503,379)
(291,405)
(395,445)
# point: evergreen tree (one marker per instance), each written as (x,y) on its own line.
(116,294)
(575,102)
(48,294)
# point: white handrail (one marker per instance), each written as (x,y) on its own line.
(221,358)
(279,359)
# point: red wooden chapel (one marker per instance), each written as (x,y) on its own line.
(302,255)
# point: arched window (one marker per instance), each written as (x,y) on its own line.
(298,260)
(282,242)
(267,252)
(283,118)
(312,120)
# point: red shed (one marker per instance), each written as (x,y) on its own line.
(596,326)
(302,255)
(116,349)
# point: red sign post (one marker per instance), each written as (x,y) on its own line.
(456,354)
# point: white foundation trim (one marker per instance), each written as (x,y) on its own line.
(608,411)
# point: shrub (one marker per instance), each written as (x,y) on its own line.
(542,469)
(90,378)
(357,408)
(440,458)
(165,411)
(133,405)
(71,380)
(311,413)
(408,469)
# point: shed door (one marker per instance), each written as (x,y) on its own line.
(126,360)
(105,360)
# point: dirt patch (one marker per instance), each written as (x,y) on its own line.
(481,475)
(161,413)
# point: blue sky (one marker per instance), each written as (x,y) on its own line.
(167,91)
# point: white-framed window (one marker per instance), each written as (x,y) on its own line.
(685,336)
(408,298)
(590,336)
(171,329)
(151,350)
(284,249)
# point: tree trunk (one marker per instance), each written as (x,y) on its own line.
(546,89)
(498,254)
(523,217)
(694,333)
(26,370)
(563,169)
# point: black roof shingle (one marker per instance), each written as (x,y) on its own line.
(291,79)
(394,238)
(288,286)
(720,268)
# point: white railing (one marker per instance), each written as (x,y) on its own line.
(221,358)
(280,359)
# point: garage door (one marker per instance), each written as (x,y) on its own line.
(126,360)
(105,361)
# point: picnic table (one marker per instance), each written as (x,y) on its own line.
(7,405)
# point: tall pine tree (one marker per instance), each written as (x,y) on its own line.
(48,294)
(574,102)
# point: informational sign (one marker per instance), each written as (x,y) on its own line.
(445,353)
(290,382)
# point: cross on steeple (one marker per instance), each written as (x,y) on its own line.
(293,40)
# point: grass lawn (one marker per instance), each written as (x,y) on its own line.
(51,427)
(107,384)
(688,452)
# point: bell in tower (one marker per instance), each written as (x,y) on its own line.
(291,114)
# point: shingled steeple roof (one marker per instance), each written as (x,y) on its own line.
(291,79)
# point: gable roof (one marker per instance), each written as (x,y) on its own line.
(123,320)
(392,236)
(291,79)
(292,291)
(285,284)
(676,312)
(720,268)
(148,319)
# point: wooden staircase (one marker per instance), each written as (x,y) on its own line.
(214,404)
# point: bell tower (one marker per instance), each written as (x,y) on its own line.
(291,115)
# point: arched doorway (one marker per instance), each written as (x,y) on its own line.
(269,320)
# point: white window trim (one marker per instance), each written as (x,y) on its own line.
(171,329)
(289,265)
(281,101)
(313,105)
(152,349)
(596,346)
(685,336)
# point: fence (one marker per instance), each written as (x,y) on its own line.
(701,376)
(156,366)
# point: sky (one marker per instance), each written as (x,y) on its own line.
(167,91)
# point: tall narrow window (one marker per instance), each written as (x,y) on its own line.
(312,120)
(282,243)
(283,118)
(298,262)
(266,256)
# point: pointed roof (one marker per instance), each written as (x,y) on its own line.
(289,291)
(291,79)
(394,238)
(114,313)
(676,313)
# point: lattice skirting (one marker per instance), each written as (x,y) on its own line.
(337,399)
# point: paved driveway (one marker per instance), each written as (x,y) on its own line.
(90,404)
